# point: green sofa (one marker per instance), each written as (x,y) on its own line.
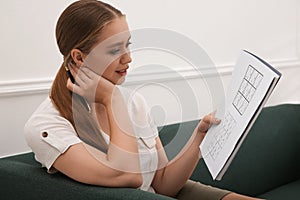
(267,165)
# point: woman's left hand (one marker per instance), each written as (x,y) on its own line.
(205,123)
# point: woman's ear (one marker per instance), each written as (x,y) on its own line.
(77,57)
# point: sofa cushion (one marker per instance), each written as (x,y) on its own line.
(269,156)
(287,191)
(175,136)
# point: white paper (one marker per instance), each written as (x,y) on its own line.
(252,82)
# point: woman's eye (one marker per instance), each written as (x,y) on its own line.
(128,44)
(114,51)
(118,51)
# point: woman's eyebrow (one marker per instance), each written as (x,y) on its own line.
(118,43)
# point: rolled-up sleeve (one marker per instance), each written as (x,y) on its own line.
(49,135)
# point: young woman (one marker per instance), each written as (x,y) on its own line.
(89,131)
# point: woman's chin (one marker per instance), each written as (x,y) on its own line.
(120,81)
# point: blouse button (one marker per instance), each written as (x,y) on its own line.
(45,134)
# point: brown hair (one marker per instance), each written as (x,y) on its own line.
(79,27)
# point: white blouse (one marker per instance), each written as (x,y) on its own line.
(61,135)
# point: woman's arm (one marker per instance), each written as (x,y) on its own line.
(120,167)
(78,164)
(171,178)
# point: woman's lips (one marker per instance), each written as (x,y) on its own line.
(122,72)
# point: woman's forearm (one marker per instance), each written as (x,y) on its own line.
(123,148)
(182,166)
(121,130)
(170,179)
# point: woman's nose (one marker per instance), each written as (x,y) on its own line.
(126,58)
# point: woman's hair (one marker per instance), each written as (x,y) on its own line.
(79,27)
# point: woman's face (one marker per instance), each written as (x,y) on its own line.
(110,57)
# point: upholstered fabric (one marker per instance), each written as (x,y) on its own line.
(21,177)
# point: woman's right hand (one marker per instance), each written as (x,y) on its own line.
(91,86)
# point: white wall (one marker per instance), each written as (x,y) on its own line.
(30,56)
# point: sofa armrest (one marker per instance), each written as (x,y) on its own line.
(21,177)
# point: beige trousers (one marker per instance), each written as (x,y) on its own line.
(195,190)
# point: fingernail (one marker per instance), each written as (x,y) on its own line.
(217,120)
